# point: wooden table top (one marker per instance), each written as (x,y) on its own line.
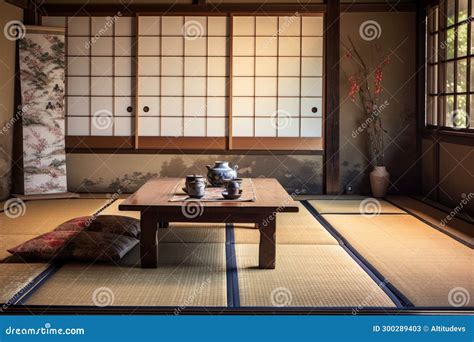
(157,192)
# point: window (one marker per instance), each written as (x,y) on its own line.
(450,65)
(195,82)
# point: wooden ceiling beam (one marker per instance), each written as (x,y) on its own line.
(18,3)
(199,8)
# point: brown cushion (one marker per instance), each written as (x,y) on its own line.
(122,225)
(92,246)
(73,245)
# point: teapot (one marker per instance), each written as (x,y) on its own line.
(220,172)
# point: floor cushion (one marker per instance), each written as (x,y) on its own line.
(44,247)
(115,224)
(73,245)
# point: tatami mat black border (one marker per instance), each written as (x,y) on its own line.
(395,295)
(24,293)
(92,310)
(233,296)
(451,235)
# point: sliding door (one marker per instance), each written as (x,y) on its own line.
(182,81)
(100,80)
(206,82)
(277,79)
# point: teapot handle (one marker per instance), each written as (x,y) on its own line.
(208,167)
(236,167)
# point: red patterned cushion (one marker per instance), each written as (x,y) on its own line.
(44,247)
(122,225)
(73,245)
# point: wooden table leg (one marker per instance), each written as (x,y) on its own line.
(148,239)
(267,247)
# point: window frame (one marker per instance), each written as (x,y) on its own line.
(436,122)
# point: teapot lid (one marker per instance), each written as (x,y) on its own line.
(221,162)
(194,176)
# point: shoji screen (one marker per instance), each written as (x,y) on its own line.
(277,76)
(182,76)
(100,83)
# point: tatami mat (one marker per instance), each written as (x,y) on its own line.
(14,277)
(206,233)
(187,275)
(365,206)
(306,276)
(455,226)
(292,228)
(42,216)
(426,265)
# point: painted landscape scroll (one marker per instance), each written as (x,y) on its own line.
(42,65)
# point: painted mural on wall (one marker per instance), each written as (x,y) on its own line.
(42,88)
(297,174)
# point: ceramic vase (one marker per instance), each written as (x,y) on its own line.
(379,181)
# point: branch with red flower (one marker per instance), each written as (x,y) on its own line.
(360,86)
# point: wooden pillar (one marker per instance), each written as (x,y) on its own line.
(331,156)
(420,89)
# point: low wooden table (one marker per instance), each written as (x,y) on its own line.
(153,202)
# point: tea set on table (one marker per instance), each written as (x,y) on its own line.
(220,175)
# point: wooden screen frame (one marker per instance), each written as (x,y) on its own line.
(94,141)
(181,143)
(278,143)
(440,127)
